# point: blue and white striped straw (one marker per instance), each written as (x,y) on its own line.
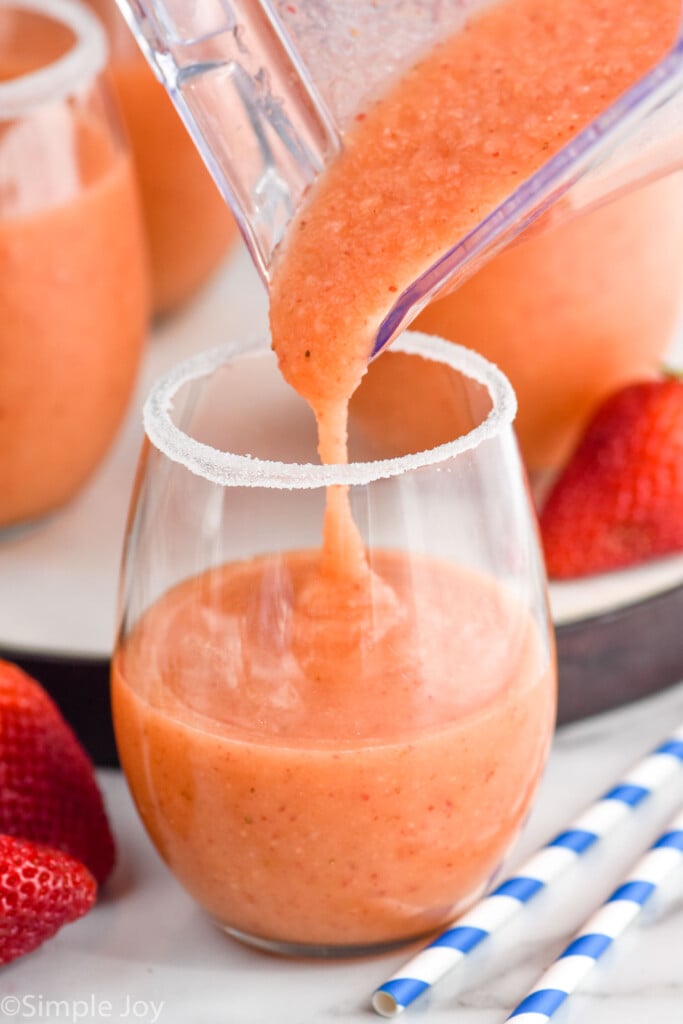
(599,932)
(490,914)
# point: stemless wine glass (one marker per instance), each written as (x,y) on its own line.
(333,755)
(73,272)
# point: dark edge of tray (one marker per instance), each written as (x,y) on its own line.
(605,661)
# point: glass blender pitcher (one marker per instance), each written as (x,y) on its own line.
(267,88)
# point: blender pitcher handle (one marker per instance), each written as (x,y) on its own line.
(248,102)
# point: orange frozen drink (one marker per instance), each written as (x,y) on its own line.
(351,768)
(572,313)
(356,791)
(73,275)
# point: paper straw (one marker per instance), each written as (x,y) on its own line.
(600,931)
(491,913)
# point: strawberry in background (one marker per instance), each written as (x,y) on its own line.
(56,846)
(619,500)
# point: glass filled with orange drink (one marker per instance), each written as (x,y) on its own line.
(73,268)
(334,685)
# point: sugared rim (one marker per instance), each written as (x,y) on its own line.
(83,61)
(230,470)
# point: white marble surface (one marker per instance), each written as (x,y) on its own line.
(145,953)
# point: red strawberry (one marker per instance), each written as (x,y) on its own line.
(40,890)
(48,791)
(619,501)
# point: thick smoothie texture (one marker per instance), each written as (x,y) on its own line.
(343,770)
(425,163)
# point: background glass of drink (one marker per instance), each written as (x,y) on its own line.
(332,758)
(189,225)
(574,312)
(73,271)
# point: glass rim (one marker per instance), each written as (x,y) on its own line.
(82,62)
(231,470)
